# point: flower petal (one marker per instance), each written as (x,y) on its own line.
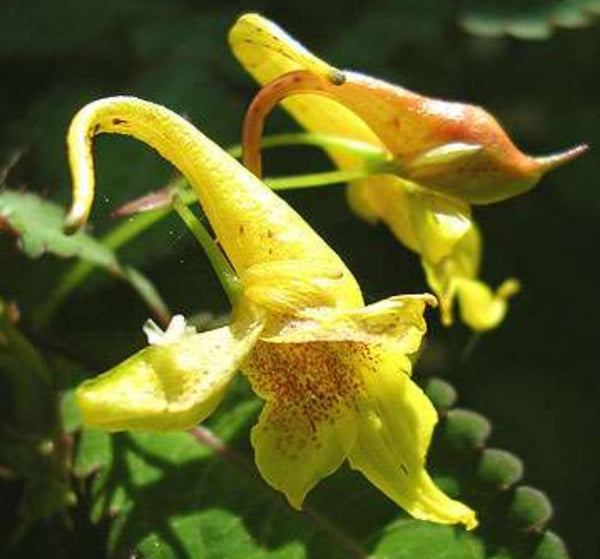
(251,222)
(480,307)
(394,432)
(170,386)
(309,423)
(396,323)
(439,223)
(266,51)
(287,287)
(293,453)
(455,277)
(310,373)
(317,375)
(385,198)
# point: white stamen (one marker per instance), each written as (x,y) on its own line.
(177,329)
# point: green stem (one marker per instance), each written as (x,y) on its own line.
(295,182)
(226,274)
(29,375)
(364,150)
(321,179)
(28,356)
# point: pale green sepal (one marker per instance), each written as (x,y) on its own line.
(445,154)
(172,385)
(394,433)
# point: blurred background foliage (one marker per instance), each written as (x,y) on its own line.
(535,65)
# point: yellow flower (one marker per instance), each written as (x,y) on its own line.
(445,155)
(335,374)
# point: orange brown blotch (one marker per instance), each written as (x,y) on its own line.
(411,126)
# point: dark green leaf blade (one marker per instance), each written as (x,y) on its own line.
(174,495)
(38,225)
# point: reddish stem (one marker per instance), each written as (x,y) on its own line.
(292,83)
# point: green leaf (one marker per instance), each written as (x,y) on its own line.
(525,19)
(38,226)
(499,468)
(37,223)
(530,508)
(407,539)
(198,495)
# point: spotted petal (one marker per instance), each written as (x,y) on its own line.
(308,425)
(311,374)
(293,452)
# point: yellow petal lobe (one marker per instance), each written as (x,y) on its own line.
(169,386)
(396,421)
(293,453)
(480,307)
(396,322)
(307,427)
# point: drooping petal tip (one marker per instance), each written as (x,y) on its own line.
(76,218)
(395,424)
